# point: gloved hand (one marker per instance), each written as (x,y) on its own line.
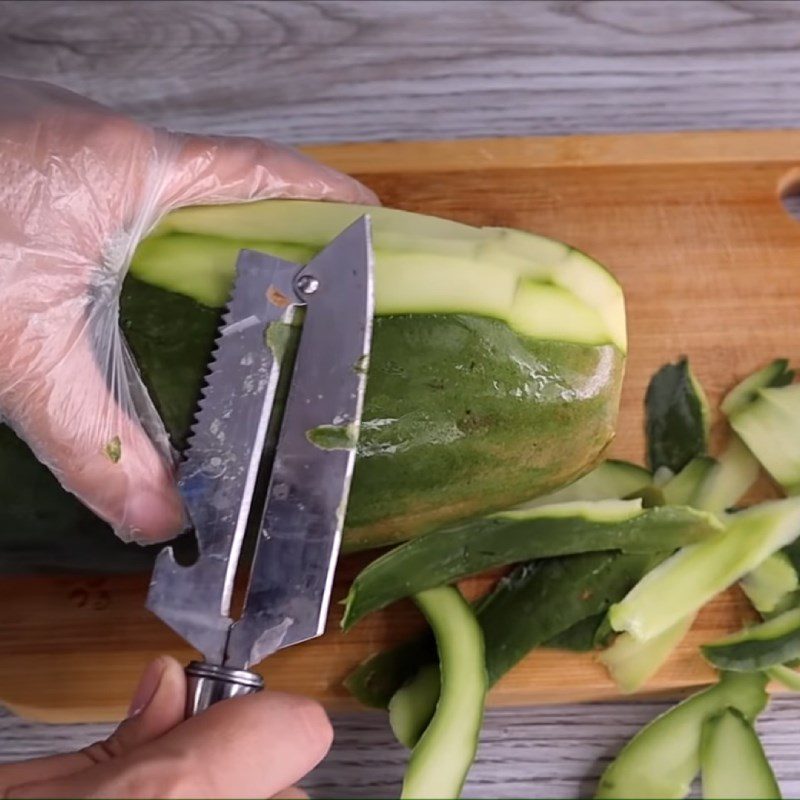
(254,746)
(81,185)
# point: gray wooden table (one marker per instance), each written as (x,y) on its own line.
(337,71)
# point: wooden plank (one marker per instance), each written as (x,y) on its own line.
(548,751)
(541,152)
(340,70)
(708,259)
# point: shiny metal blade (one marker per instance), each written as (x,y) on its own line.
(218,477)
(295,559)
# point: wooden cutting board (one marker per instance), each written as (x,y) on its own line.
(693,226)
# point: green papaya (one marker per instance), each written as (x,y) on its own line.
(495,374)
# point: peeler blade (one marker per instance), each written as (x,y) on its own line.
(218,475)
(301,518)
(298,543)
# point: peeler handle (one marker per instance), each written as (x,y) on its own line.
(207,684)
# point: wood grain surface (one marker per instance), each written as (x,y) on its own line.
(709,265)
(549,751)
(353,70)
(356,70)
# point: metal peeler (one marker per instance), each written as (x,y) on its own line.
(282,478)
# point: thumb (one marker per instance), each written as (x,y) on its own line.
(228,169)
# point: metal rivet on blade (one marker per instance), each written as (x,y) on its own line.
(307,284)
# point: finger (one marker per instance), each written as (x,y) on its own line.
(290,794)
(251,746)
(157,707)
(248,747)
(60,403)
(208,170)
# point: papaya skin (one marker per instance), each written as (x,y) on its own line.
(462,415)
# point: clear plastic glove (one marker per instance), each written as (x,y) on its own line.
(81,185)
(254,746)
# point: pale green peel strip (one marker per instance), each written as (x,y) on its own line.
(591,510)
(631,663)
(786,676)
(768,426)
(690,578)
(541,287)
(443,755)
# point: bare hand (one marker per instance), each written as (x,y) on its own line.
(256,746)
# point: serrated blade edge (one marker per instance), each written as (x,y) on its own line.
(218,475)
